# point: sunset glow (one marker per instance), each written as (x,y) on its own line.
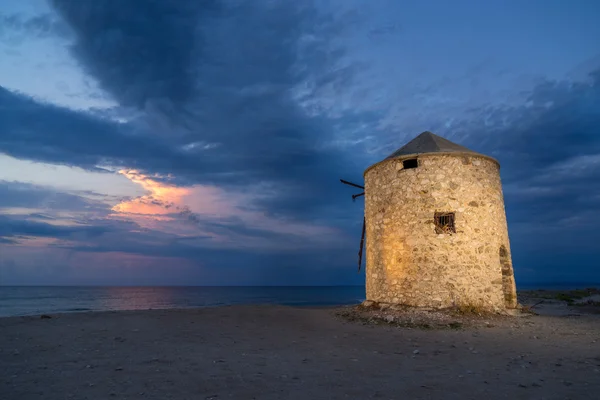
(160,199)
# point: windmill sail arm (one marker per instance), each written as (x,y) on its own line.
(362,242)
(351,184)
(362,238)
(354,196)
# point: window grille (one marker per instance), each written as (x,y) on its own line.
(444,222)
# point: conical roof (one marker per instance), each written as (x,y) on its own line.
(428,142)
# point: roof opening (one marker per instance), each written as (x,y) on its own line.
(444,222)
(410,163)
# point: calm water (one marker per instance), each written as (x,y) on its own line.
(32,300)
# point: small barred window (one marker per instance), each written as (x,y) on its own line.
(444,222)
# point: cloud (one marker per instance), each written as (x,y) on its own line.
(227,216)
(27,196)
(238,118)
(549,151)
(158,223)
(56,266)
(43,132)
(14,26)
(548,148)
(138,53)
(13,227)
(231,82)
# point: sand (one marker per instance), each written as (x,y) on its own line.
(275,352)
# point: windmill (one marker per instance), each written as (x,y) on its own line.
(362,237)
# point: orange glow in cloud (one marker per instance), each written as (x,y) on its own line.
(160,199)
(170,209)
(165,207)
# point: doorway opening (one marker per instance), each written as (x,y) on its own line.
(508,284)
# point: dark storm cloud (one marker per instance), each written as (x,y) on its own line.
(14,227)
(138,51)
(42,132)
(225,75)
(556,124)
(549,151)
(25,195)
(86,216)
(47,133)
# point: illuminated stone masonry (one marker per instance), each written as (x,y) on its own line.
(436,229)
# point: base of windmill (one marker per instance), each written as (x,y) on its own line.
(464,309)
(370,312)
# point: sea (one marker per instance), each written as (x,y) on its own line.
(36,300)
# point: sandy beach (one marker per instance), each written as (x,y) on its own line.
(276,352)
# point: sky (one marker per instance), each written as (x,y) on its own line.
(202,142)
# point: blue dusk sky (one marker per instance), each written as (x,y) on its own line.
(157,142)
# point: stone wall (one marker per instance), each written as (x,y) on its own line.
(409,262)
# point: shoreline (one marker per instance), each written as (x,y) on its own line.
(544,301)
(134,310)
(175,309)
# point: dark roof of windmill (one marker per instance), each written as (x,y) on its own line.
(428,142)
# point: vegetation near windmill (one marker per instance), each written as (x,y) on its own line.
(572,297)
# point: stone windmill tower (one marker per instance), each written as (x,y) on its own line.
(436,228)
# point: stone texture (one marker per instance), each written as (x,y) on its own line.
(409,262)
